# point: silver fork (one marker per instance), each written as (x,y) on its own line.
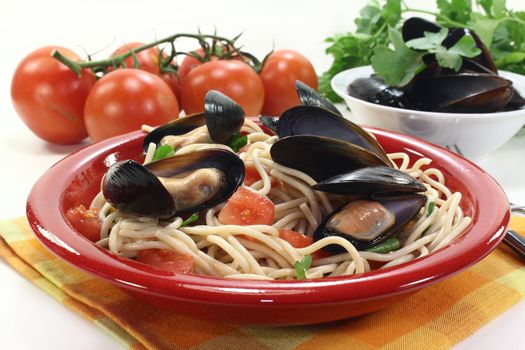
(512,238)
(454,148)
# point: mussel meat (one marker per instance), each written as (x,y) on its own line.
(176,185)
(221,119)
(322,157)
(369,221)
(310,120)
(371,180)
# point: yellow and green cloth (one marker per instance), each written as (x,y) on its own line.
(436,317)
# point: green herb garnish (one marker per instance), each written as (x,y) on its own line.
(387,246)
(500,29)
(302,266)
(163,151)
(194,217)
(237,141)
(430,208)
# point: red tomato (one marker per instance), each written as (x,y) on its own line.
(251,175)
(233,78)
(123,100)
(174,82)
(85,221)
(166,259)
(149,61)
(49,97)
(279,73)
(298,240)
(190,62)
(247,208)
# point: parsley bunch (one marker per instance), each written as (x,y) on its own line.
(500,29)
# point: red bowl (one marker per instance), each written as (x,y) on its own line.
(76,179)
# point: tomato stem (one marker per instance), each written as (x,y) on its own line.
(118,61)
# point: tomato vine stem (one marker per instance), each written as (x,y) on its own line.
(118,61)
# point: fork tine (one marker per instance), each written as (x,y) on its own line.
(458,150)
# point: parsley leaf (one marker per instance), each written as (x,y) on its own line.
(302,266)
(387,246)
(237,141)
(448,58)
(430,208)
(163,151)
(399,65)
(194,217)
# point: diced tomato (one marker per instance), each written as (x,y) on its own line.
(85,221)
(298,240)
(247,208)
(166,259)
(251,175)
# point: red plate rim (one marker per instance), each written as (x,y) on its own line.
(489,225)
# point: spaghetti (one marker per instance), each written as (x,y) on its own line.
(257,251)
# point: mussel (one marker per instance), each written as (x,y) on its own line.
(222,117)
(176,185)
(371,180)
(322,157)
(373,89)
(416,27)
(368,221)
(311,120)
(310,97)
(462,93)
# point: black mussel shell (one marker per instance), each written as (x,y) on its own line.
(224,117)
(321,157)
(403,208)
(375,90)
(179,126)
(269,122)
(310,97)
(415,27)
(371,180)
(516,101)
(310,120)
(134,188)
(462,93)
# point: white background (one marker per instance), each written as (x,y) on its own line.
(30,319)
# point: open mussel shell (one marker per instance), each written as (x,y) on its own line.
(310,120)
(373,89)
(416,27)
(310,97)
(462,93)
(269,122)
(176,185)
(178,126)
(224,117)
(321,157)
(371,180)
(369,221)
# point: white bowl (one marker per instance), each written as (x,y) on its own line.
(474,134)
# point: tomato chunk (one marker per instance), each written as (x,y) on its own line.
(251,176)
(298,240)
(166,259)
(85,221)
(247,208)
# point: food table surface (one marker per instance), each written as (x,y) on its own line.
(31,319)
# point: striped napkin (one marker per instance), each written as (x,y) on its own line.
(437,317)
